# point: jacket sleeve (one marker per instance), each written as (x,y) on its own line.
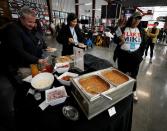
(15,43)
(65,35)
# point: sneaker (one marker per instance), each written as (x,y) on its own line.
(135,98)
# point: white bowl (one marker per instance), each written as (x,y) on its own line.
(56,95)
(42,81)
(66,82)
(62,67)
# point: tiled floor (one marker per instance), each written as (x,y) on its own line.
(150,111)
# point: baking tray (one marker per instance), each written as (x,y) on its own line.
(88,95)
(113,75)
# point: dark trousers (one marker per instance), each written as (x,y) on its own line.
(151,45)
(17,83)
(127,65)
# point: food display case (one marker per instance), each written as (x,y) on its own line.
(99,90)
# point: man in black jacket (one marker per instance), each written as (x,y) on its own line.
(21,48)
(21,42)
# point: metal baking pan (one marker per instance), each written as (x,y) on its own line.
(114,76)
(93,84)
(93,104)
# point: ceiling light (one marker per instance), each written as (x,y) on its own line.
(90,3)
(149,73)
(97,9)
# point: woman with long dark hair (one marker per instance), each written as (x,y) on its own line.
(132,45)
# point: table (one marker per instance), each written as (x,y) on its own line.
(30,117)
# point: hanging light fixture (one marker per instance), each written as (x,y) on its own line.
(90,3)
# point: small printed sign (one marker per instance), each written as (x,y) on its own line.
(111,111)
(79,58)
(43,105)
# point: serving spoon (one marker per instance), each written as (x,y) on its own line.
(101,94)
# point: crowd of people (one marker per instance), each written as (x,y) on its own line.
(24,40)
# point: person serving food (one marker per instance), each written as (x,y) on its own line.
(71,35)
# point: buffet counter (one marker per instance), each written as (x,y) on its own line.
(29,115)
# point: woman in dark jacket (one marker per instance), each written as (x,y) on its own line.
(71,35)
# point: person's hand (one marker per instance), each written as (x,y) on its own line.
(122,40)
(124,47)
(81,45)
(43,61)
(49,49)
(70,40)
